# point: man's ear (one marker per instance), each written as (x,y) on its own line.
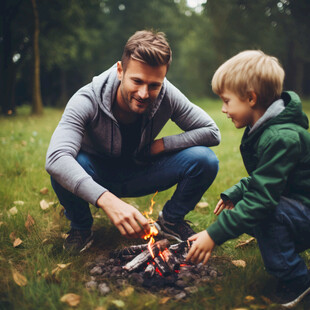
(119,70)
(252,97)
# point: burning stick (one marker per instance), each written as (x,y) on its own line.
(149,271)
(171,260)
(162,266)
(128,251)
(180,247)
(142,258)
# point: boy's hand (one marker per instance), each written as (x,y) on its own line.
(201,248)
(221,205)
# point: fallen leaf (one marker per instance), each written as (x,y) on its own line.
(29,222)
(118,303)
(18,278)
(44,204)
(239,263)
(64,236)
(2,223)
(12,235)
(44,190)
(101,308)
(63,266)
(127,292)
(19,202)
(13,211)
(266,300)
(202,205)
(244,243)
(164,300)
(24,143)
(218,288)
(17,242)
(249,298)
(71,299)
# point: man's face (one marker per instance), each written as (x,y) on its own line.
(140,85)
(238,110)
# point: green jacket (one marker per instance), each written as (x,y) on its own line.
(277,158)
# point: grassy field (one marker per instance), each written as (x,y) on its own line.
(28,279)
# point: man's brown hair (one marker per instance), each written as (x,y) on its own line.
(147,46)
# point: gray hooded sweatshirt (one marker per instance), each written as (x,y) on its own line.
(88,124)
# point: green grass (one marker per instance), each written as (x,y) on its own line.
(23,143)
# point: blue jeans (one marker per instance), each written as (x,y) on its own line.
(192,169)
(284,234)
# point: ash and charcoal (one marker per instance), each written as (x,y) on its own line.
(165,270)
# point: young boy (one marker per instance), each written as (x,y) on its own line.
(273,202)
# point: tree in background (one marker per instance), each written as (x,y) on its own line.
(37,106)
(80,39)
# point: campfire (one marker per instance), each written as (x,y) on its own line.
(156,265)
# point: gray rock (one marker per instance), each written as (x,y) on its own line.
(92,285)
(103,289)
(180,296)
(96,270)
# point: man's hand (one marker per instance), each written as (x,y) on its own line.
(128,220)
(221,205)
(157,147)
(201,248)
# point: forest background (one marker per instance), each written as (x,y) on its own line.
(49,49)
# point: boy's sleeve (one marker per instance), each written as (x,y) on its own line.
(235,193)
(278,157)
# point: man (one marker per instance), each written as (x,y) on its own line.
(104,146)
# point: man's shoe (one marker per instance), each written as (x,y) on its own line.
(179,231)
(289,295)
(78,241)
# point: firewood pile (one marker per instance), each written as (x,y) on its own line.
(159,266)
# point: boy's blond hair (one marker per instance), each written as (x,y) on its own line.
(248,71)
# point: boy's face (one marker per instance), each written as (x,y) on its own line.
(240,111)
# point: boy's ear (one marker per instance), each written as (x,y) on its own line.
(252,97)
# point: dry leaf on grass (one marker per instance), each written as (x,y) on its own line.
(44,190)
(18,278)
(241,244)
(239,263)
(29,222)
(101,308)
(19,202)
(202,205)
(249,298)
(127,292)
(17,242)
(118,303)
(164,300)
(12,236)
(63,266)
(13,211)
(44,204)
(71,299)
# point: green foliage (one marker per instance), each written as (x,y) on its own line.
(24,140)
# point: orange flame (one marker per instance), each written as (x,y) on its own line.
(153,230)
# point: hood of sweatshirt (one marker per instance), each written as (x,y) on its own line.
(289,111)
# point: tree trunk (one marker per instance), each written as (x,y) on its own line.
(37,106)
(7,69)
